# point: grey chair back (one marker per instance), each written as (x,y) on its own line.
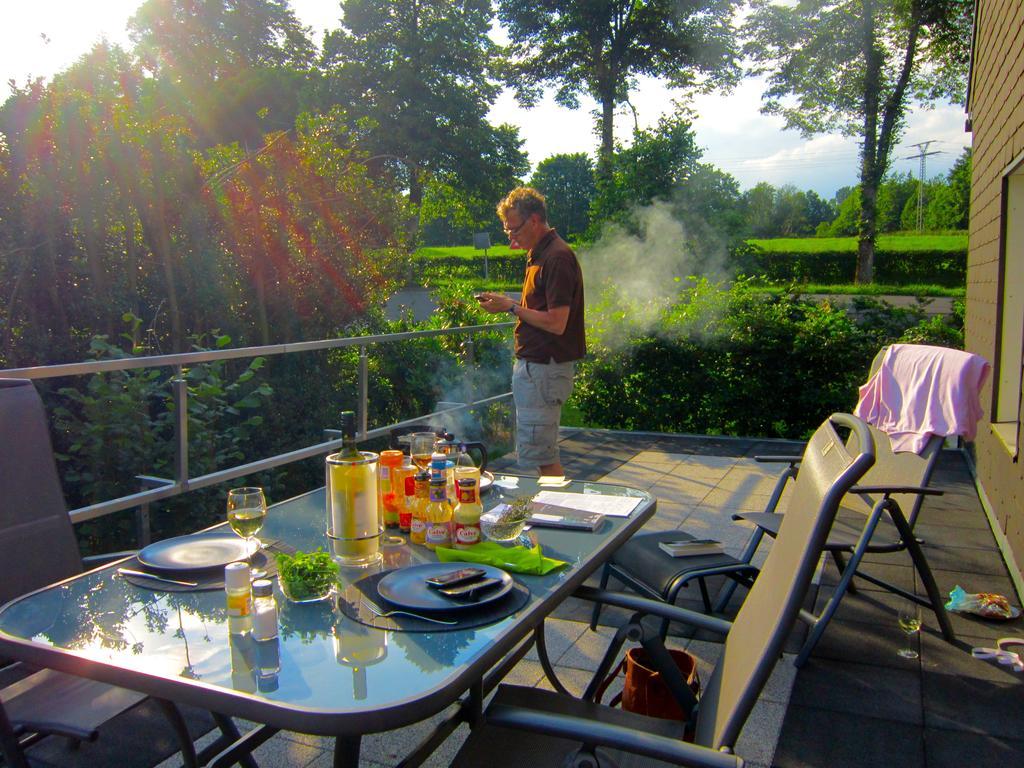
(37,542)
(829,467)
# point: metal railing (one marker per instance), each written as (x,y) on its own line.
(157,488)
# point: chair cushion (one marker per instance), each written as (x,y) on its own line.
(496,747)
(641,558)
(52,702)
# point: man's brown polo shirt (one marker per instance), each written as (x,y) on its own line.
(553,279)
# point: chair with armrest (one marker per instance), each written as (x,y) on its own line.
(868,522)
(37,548)
(564,731)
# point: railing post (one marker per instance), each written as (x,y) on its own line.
(362,415)
(181,427)
(469,360)
(143,529)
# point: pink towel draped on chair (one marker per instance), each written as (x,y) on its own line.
(919,391)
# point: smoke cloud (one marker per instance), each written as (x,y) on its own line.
(633,275)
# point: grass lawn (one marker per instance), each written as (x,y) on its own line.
(467,252)
(953,241)
(874,289)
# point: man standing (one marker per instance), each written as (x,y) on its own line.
(549,334)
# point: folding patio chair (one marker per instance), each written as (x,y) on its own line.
(37,548)
(529,726)
(880,518)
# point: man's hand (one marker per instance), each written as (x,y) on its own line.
(494,302)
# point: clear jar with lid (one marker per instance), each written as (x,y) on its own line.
(264,610)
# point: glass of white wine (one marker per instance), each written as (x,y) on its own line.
(247,509)
(910,622)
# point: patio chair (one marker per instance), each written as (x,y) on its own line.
(879,519)
(527,726)
(37,548)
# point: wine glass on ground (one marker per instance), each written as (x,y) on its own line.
(421,446)
(910,622)
(247,509)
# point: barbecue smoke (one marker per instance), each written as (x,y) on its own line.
(633,275)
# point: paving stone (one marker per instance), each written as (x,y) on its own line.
(953,702)
(955,749)
(860,689)
(815,738)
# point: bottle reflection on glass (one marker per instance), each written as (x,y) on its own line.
(243,663)
(358,647)
(268,664)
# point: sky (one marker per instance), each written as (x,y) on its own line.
(42,37)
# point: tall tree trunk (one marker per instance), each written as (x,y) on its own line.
(866,230)
(604,160)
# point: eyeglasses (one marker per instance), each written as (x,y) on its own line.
(515,230)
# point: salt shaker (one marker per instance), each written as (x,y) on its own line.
(264,610)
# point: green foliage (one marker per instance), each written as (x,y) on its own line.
(652,168)
(852,67)
(946,268)
(598,49)
(122,424)
(422,73)
(567,182)
(952,242)
(307,574)
(721,360)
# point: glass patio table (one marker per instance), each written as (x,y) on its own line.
(335,677)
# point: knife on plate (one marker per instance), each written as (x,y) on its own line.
(154,577)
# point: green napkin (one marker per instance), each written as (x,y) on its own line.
(516,559)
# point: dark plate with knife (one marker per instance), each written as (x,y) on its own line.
(407,587)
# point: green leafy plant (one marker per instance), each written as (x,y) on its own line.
(306,575)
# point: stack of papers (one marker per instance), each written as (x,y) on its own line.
(599,503)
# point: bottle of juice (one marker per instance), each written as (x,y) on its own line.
(438,514)
(409,498)
(391,493)
(418,520)
(466,518)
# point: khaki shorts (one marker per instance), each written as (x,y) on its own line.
(539,390)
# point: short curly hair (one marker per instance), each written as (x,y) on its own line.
(526,201)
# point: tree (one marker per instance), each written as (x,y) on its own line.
(236,70)
(599,48)
(853,66)
(567,181)
(759,202)
(893,194)
(652,168)
(420,72)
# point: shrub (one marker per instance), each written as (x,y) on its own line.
(730,360)
(835,267)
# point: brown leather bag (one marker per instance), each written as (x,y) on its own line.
(644,691)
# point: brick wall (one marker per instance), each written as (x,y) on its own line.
(997,114)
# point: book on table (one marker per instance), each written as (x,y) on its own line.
(553,516)
(691,547)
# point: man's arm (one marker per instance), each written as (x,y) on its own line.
(552,320)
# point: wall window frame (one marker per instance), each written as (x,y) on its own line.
(1008,371)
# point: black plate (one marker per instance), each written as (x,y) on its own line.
(198,552)
(407,588)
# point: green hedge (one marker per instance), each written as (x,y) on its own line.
(937,267)
(737,362)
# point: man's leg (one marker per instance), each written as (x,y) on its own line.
(539,392)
